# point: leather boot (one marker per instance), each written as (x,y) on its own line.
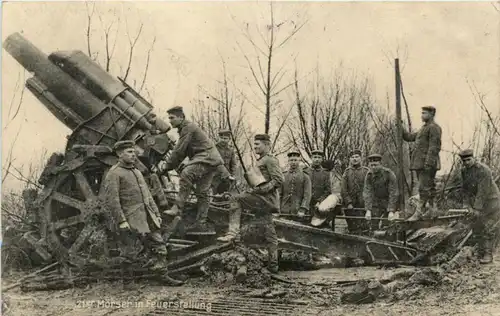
(233,233)
(432,211)
(272,265)
(419,212)
(487,253)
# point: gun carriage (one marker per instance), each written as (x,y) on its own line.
(101,110)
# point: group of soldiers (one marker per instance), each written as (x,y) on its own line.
(366,195)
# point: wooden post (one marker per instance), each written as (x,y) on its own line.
(399,125)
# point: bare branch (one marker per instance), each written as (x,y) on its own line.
(147,64)
(132,46)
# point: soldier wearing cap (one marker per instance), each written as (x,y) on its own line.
(425,161)
(296,189)
(353,183)
(225,173)
(262,200)
(482,197)
(320,179)
(204,159)
(127,197)
(380,191)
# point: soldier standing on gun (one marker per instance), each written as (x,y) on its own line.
(482,197)
(127,197)
(380,191)
(225,173)
(353,183)
(296,189)
(262,200)
(425,161)
(198,172)
(320,183)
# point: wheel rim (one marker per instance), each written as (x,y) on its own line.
(73,210)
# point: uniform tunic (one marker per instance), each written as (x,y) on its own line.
(320,183)
(353,183)
(427,147)
(128,198)
(220,182)
(264,200)
(194,144)
(380,192)
(295,192)
(481,193)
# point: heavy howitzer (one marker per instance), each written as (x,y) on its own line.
(99,110)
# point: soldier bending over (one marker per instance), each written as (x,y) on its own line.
(128,198)
(261,200)
(482,196)
(199,171)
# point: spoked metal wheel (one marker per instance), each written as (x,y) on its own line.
(74,212)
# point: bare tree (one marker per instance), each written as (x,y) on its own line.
(331,115)
(265,74)
(109,33)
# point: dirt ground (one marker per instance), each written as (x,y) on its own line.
(472,292)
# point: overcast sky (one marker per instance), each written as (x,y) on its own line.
(441,45)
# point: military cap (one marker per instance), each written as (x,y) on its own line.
(466,153)
(123,144)
(316,152)
(224,132)
(293,154)
(176,110)
(375,157)
(355,152)
(429,109)
(263,137)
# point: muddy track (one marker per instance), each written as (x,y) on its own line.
(473,293)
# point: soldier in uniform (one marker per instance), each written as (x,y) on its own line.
(204,159)
(482,197)
(225,173)
(425,161)
(320,179)
(380,191)
(296,189)
(132,208)
(353,182)
(263,200)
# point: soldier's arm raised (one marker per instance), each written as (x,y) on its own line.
(306,199)
(434,146)
(180,150)
(393,191)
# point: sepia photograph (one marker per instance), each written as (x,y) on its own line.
(250,158)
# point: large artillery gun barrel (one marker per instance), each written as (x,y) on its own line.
(97,107)
(67,90)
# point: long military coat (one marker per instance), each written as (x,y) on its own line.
(427,146)
(295,192)
(353,183)
(127,197)
(478,186)
(194,144)
(381,189)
